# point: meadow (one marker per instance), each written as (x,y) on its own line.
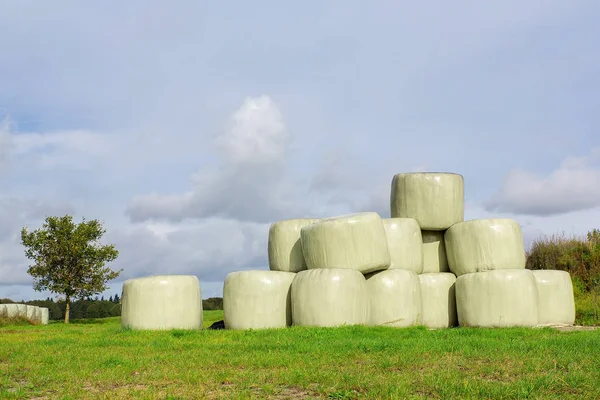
(96,359)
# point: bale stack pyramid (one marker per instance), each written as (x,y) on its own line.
(423,266)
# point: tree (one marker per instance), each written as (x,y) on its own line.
(69,259)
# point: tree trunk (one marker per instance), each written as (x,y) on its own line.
(67,308)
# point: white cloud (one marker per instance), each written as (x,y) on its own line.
(250,185)
(573,186)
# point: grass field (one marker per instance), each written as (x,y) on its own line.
(94,359)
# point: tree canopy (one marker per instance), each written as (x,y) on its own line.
(68,258)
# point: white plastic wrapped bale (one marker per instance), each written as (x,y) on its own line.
(556,303)
(284,246)
(257,299)
(32,313)
(44,315)
(434,252)
(162,302)
(394,298)
(16,310)
(3,311)
(404,243)
(483,245)
(354,241)
(500,298)
(438,299)
(434,199)
(329,297)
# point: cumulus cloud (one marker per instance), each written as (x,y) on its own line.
(250,185)
(573,186)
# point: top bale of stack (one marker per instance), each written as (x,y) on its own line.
(434,199)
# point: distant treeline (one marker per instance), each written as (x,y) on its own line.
(97,307)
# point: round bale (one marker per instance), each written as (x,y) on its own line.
(257,299)
(434,199)
(434,252)
(556,303)
(500,298)
(284,245)
(354,241)
(483,245)
(162,302)
(438,299)
(404,243)
(394,298)
(329,297)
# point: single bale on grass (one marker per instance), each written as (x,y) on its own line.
(329,297)
(394,298)
(484,245)
(434,252)
(556,302)
(284,245)
(162,302)
(434,199)
(404,243)
(500,298)
(257,299)
(438,299)
(354,241)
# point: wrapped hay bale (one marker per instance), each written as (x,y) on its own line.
(3,311)
(257,299)
(354,241)
(44,315)
(438,300)
(285,247)
(498,298)
(162,302)
(434,199)
(329,297)
(556,303)
(394,298)
(33,313)
(404,243)
(484,244)
(16,310)
(434,252)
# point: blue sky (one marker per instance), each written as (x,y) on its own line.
(189,128)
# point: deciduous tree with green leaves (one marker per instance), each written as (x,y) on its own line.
(68,258)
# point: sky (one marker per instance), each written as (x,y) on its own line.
(188,128)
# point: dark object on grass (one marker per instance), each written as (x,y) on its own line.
(218,325)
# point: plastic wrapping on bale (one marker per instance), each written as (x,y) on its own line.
(33,313)
(500,298)
(16,310)
(556,303)
(285,247)
(434,199)
(329,297)
(438,300)
(434,252)
(162,302)
(44,315)
(257,299)
(483,245)
(355,241)
(3,311)
(404,243)
(394,298)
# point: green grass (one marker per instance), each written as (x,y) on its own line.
(96,359)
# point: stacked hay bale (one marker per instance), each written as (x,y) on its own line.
(423,266)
